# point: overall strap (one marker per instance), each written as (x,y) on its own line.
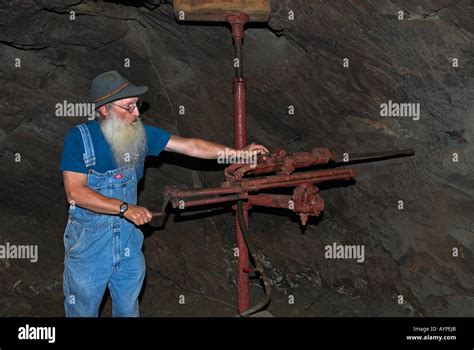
(89,155)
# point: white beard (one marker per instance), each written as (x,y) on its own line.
(127,142)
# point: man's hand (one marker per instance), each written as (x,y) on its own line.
(257,148)
(78,193)
(138,215)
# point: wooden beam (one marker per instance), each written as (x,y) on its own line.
(214,11)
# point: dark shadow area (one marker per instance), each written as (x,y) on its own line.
(184,161)
(132,3)
(248,25)
(293,217)
(201,212)
(104,301)
(143,108)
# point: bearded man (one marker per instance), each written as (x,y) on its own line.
(102,162)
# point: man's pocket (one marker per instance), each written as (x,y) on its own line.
(73,236)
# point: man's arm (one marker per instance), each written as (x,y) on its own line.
(78,193)
(205,149)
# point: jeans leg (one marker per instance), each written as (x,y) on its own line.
(82,296)
(125,286)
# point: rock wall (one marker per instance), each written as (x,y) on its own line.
(422,253)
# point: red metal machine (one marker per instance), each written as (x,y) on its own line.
(244,184)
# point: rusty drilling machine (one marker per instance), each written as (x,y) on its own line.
(245,184)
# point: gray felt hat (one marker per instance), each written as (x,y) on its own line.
(111,86)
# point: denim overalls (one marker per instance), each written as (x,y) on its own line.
(103,250)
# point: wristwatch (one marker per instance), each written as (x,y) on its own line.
(123,209)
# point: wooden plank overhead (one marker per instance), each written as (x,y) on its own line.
(214,11)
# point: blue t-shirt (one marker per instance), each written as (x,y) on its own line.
(72,157)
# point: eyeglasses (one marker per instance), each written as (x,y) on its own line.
(131,107)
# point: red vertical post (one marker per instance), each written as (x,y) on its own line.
(240,117)
(237,21)
(243,299)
